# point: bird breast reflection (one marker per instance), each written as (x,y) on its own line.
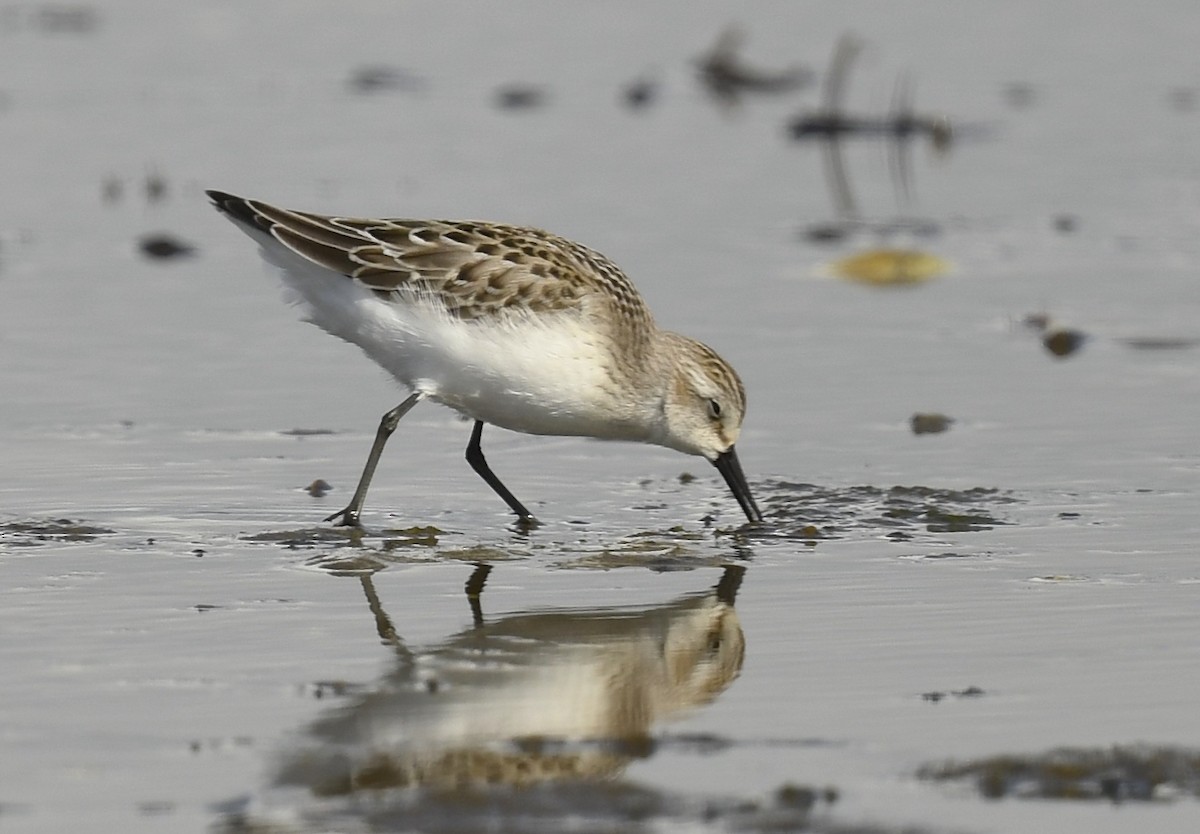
(531,697)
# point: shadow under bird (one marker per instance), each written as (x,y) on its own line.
(507,325)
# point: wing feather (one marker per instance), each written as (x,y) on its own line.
(477,270)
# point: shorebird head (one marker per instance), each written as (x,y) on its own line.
(703,410)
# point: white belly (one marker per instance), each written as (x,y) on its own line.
(539,374)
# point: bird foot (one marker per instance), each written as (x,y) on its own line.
(348,516)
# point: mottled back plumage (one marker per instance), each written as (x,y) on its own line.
(476,269)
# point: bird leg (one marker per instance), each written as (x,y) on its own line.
(387,425)
(479,464)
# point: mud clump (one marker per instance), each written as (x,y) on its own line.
(35,532)
(929,422)
(810,512)
(1137,773)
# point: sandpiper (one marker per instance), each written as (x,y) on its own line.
(507,325)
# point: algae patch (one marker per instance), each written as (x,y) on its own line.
(37,532)
(810,512)
(890,267)
(1118,774)
(309,537)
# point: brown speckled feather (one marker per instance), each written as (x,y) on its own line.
(477,270)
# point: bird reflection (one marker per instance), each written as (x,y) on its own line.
(726,76)
(831,125)
(528,698)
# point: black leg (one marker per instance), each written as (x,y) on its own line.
(349,516)
(479,464)
(474,589)
(383,623)
(731,580)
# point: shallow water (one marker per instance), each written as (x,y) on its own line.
(176,625)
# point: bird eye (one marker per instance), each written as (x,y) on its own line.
(714,409)
(714,642)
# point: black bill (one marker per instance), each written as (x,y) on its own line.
(727,464)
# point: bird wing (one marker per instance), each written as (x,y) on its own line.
(475,269)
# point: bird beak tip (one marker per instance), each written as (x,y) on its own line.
(731,470)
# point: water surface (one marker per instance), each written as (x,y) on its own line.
(177,626)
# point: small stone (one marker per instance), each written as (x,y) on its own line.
(161,246)
(930,422)
(1063,342)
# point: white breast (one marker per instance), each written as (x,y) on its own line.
(537,373)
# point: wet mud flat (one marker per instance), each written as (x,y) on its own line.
(957,272)
(515,708)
